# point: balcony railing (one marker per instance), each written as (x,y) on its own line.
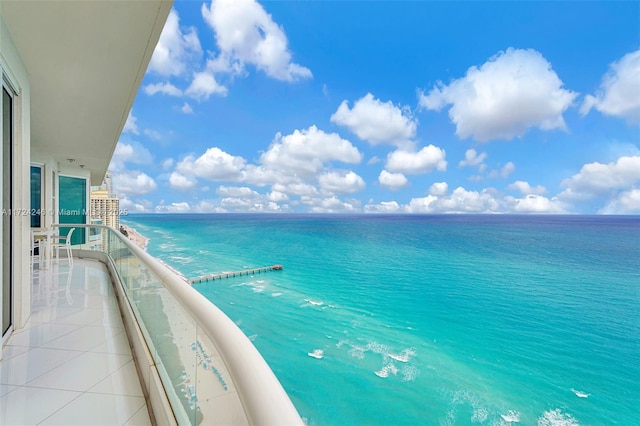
(210,371)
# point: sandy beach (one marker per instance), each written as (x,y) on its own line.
(135,236)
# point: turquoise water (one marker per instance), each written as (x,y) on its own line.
(436,320)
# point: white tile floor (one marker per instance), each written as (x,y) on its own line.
(71,364)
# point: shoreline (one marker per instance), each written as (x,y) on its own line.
(137,238)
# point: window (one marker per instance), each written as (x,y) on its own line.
(72,205)
(36,196)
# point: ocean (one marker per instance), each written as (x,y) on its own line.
(429,320)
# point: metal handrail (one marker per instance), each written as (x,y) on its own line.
(262,396)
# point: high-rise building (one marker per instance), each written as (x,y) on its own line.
(105,206)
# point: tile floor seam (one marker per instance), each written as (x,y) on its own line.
(144,406)
(48,371)
(63,406)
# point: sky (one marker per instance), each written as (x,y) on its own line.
(387,107)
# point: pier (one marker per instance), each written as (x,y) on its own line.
(253,271)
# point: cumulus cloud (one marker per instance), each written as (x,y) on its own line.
(181,182)
(204,84)
(330,204)
(385,207)
(175,48)
(409,162)
(341,182)
(130,126)
(627,202)
(242,198)
(504,172)
(392,181)
(134,206)
(377,122)
(214,164)
(533,203)
(133,152)
(619,92)
(164,88)
(246,34)
(182,207)
(304,152)
(601,179)
(471,158)
(461,200)
(186,109)
(133,183)
(525,189)
(510,93)
(297,189)
(439,189)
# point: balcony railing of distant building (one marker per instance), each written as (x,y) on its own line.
(209,372)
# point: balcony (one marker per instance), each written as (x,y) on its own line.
(119,331)
(72,363)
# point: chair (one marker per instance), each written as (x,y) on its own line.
(36,252)
(61,241)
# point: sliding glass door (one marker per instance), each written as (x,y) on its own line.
(72,206)
(7,210)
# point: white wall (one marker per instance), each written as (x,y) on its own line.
(14,70)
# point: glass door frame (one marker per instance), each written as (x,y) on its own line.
(7,251)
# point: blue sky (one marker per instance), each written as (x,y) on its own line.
(396,107)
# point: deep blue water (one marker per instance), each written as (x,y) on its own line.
(429,319)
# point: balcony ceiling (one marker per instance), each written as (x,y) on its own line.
(86,60)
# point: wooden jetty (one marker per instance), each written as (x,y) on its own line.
(253,271)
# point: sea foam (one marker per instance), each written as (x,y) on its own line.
(580,394)
(557,418)
(316,353)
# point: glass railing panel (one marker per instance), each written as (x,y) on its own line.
(191,367)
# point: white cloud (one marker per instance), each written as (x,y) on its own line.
(533,203)
(525,189)
(130,126)
(153,134)
(242,198)
(164,88)
(304,152)
(392,181)
(464,201)
(510,93)
(204,85)
(439,189)
(246,34)
(236,192)
(330,204)
(421,205)
(175,49)
(167,164)
(133,207)
(277,196)
(208,206)
(132,152)
(133,183)
(383,207)
(619,93)
(627,202)
(471,158)
(428,158)
(377,122)
(186,109)
(182,207)
(341,182)
(504,172)
(598,179)
(298,189)
(214,164)
(181,182)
